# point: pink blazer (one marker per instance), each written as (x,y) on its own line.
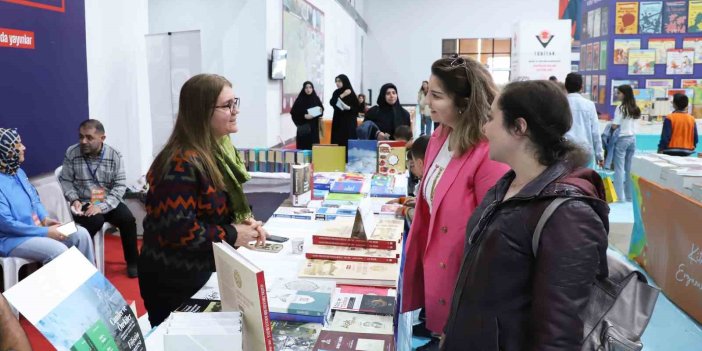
(434,248)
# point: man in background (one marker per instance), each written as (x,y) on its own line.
(93,182)
(585,129)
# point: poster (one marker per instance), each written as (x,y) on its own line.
(585,35)
(680,61)
(541,49)
(621,50)
(674,17)
(303,37)
(642,62)
(49,297)
(588,87)
(659,86)
(694,17)
(603,89)
(661,45)
(650,17)
(694,43)
(689,92)
(596,56)
(591,23)
(603,55)
(597,25)
(595,87)
(627,20)
(644,100)
(696,99)
(616,83)
(604,25)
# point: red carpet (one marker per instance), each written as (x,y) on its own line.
(116,272)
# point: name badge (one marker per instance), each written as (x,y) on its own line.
(97,195)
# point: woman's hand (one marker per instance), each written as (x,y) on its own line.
(55,234)
(48,222)
(258,225)
(346,93)
(245,234)
(308,116)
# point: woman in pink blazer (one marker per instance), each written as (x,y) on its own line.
(457,174)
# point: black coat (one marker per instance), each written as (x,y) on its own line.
(307,129)
(505,298)
(344,121)
(388,118)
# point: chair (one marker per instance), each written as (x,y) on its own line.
(10,273)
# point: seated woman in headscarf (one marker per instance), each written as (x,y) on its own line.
(307,124)
(26,231)
(388,114)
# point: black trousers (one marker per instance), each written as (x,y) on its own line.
(163,292)
(121,218)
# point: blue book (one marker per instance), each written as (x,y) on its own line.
(347,187)
(362,156)
(275,316)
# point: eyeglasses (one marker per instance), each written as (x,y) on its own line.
(236,103)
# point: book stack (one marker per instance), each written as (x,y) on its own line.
(203,331)
(295,335)
(348,183)
(348,341)
(388,186)
(364,299)
(273,160)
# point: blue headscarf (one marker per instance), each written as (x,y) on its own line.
(9,152)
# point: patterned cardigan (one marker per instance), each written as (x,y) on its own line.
(185,214)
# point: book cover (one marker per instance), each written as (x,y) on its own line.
(604,24)
(289,156)
(372,304)
(329,158)
(587,86)
(48,299)
(363,156)
(597,25)
(361,323)
(295,213)
(595,87)
(603,89)
(343,341)
(659,86)
(262,160)
(603,56)
(322,182)
(301,189)
(279,161)
(357,254)
(696,99)
(690,95)
(588,57)
(346,272)
(347,187)
(300,318)
(675,17)
(364,290)
(694,17)
(680,61)
(642,62)
(627,20)
(200,305)
(387,186)
(252,163)
(591,24)
(242,287)
(331,213)
(308,303)
(295,336)
(584,34)
(696,44)
(595,56)
(616,83)
(621,50)
(644,100)
(392,156)
(650,17)
(661,45)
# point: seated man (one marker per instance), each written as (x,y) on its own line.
(93,182)
(679,134)
(25,229)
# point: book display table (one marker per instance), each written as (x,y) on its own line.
(666,239)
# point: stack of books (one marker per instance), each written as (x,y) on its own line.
(295,335)
(388,186)
(273,160)
(203,331)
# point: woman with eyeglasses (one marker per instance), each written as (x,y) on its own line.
(307,121)
(514,293)
(625,117)
(388,114)
(457,174)
(195,198)
(345,104)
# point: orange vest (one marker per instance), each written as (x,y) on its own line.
(683,131)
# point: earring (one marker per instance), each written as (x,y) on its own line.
(460,112)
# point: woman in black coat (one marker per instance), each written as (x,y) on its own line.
(307,124)
(388,114)
(509,296)
(344,121)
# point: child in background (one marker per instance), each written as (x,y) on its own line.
(404,133)
(416,167)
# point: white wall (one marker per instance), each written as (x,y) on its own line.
(342,55)
(118,92)
(404,37)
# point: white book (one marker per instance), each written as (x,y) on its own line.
(361,323)
(315,111)
(341,105)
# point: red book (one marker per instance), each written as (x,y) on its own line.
(346,341)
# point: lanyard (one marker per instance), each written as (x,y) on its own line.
(93,172)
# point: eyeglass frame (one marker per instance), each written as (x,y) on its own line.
(231,105)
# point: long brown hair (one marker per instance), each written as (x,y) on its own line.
(192,131)
(472,90)
(629,107)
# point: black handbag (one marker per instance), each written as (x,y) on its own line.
(620,304)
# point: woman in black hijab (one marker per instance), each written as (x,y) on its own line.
(388,114)
(344,120)
(307,124)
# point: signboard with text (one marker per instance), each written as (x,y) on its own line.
(541,49)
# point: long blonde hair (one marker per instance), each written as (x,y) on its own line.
(192,131)
(470,86)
